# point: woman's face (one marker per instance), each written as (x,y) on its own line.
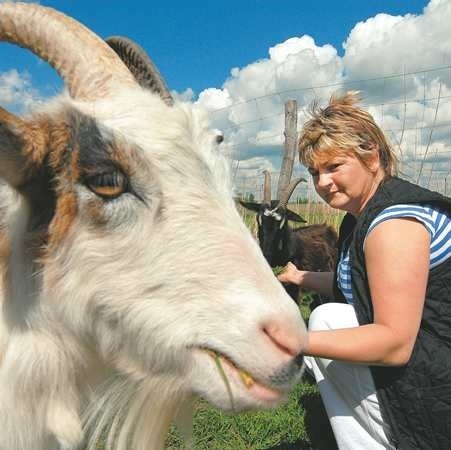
(344,182)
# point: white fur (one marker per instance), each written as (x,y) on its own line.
(109,330)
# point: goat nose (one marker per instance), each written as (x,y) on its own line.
(289,342)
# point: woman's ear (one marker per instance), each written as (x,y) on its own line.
(374,163)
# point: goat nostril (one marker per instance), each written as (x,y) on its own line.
(281,340)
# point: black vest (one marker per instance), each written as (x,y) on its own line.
(415,399)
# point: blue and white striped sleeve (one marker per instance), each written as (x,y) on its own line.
(421,213)
(437,223)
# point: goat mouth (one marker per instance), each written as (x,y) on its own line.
(255,387)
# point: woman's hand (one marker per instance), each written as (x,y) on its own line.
(320,282)
(290,274)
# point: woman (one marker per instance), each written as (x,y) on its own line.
(382,356)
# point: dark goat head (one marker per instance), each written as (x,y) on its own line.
(272,219)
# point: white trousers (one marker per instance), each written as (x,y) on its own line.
(347,389)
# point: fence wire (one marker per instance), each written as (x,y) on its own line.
(413,109)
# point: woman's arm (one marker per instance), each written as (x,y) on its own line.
(397,261)
(320,282)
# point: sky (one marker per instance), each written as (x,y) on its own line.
(196,44)
(241,59)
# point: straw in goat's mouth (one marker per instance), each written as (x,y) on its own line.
(246,378)
(256,388)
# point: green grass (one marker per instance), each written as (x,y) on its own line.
(278,428)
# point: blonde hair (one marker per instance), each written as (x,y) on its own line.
(342,127)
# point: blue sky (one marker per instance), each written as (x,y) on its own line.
(242,59)
(196,44)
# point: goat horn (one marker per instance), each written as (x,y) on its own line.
(141,66)
(286,194)
(267,187)
(89,67)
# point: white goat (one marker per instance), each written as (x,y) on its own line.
(125,268)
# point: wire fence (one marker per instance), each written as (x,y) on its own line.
(413,109)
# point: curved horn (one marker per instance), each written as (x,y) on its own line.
(141,66)
(89,67)
(286,194)
(267,187)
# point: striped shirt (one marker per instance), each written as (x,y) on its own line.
(438,225)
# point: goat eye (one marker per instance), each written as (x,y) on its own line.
(107,184)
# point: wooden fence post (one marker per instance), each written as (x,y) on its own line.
(290,144)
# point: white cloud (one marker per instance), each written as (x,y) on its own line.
(386,44)
(291,64)
(185,96)
(256,163)
(16,90)
(250,174)
(246,110)
(249,106)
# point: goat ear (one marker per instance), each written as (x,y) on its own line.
(252,206)
(12,143)
(22,148)
(291,215)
